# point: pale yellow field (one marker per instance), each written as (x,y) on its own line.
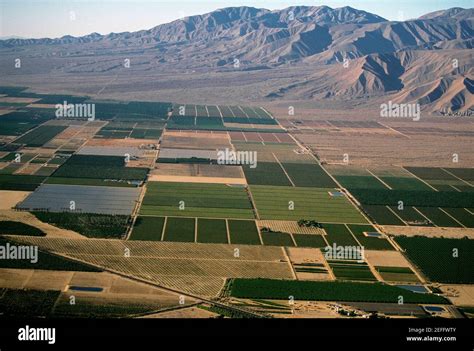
(291,227)
(459,294)
(11,198)
(430,232)
(386,258)
(212,180)
(199,269)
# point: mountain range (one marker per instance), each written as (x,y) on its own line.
(346,53)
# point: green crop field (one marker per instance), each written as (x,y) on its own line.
(40,135)
(352,271)
(438,217)
(20,182)
(414,198)
(196,200)
(19,122)
(307,203)
(309,240)
(397,274)
(19,228)
(243,232)
(382,215)
(326,291)
(360,182)
(28,303)
(147,228)
(99,167)
(309,175)
(369,243)
(339,235)
(266,173)
(410,215)
(277,239)
(466,174)
(88,224)
(404,183)
(441,260)
(179,229)
(212,231)
(139,133)
(462,215)
(88,181)
(430,173)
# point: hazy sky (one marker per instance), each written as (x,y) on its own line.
(55,18)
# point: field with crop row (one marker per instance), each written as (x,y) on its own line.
(196,200)
(295,203)
(326,291)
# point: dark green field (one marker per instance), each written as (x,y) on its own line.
(179,229)
(351,271)
(28,303)
(277,239)
(436,258)
(403,183)
(243,232)
(19,228)
(414,198)
(326,291)
(382,215)
(40,135)
(410,215)
(20,182)
(19,122)
(438,217)
(309,175)
(90,225)
(339,235)
(266,173)
(397,274)
(147,228)
(196,200)
(369,243)
(99,167)
(360,182)
(212,231)
(309,240)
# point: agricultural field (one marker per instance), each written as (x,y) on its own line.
(81,199)
(100,167)
(144,178)
(88,224)
(196,200)
(148,228)
(326,291)
(46,261)
(397,274)
(351,270)
(212,231)
(266,173)
(243,232)
(192,268)
(40,136)
(295,203)
(19,228)
(441,260)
